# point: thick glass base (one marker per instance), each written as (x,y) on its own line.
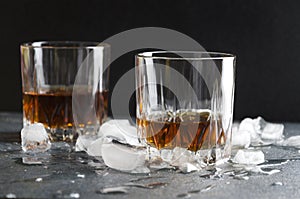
(179,157)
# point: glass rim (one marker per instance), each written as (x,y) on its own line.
(191,55)
(64,44)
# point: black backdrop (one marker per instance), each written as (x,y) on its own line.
(265,36)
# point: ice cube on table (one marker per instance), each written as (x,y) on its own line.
(240,139)
(35,138)
(293,141)
(95,147)
(181,156)
(273,132)
(249,157)
(123,157)
(120,130)
(83,142)
(247,125)
(188,167)
(268,130)
(261,131)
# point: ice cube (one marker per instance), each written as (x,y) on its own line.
(240,139)
(122,130)
(268,130)
(123,157)
(83,141)
(247,125)
(35,138)
(259,124)
(188,167)
(249,157)
(273,132)
(181,156)
(293,141)
(94,149)
(262,132)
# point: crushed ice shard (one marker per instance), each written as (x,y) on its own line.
(123,157)
(249,157)
(35,138)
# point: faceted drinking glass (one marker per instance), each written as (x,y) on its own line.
(65,86)
(185,100)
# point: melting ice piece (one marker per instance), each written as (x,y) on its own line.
(94,149)
(122,130)
(39,179)
(293,141)
(74,195)
(277,184)
(262,132)
(188,167)
(249,157)
(35,138)
(247,125)
(181,156)
(268,130)
(123,157)
(31,160)
(83,141)
(113,190)
(184,160)
(240,139)
(11,195)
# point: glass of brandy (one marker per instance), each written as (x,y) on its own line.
(185,100)
(65,86)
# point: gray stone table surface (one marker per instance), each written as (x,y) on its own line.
(68,174)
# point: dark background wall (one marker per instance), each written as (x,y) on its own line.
(265,36)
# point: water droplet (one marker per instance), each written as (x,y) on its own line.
(241,177)
(156,184)
(31,160)
(74,195)
(183,195)
(277,184)
(80,175)
(113,190)
(194,191)
(11,195)
(39,179)
(151,185)
(145,178)
(207,188)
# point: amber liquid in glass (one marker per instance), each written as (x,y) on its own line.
(191,130)
(53,108)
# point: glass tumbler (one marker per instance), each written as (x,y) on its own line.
(65,86)
(185,100)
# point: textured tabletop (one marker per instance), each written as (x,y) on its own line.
(63,173)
